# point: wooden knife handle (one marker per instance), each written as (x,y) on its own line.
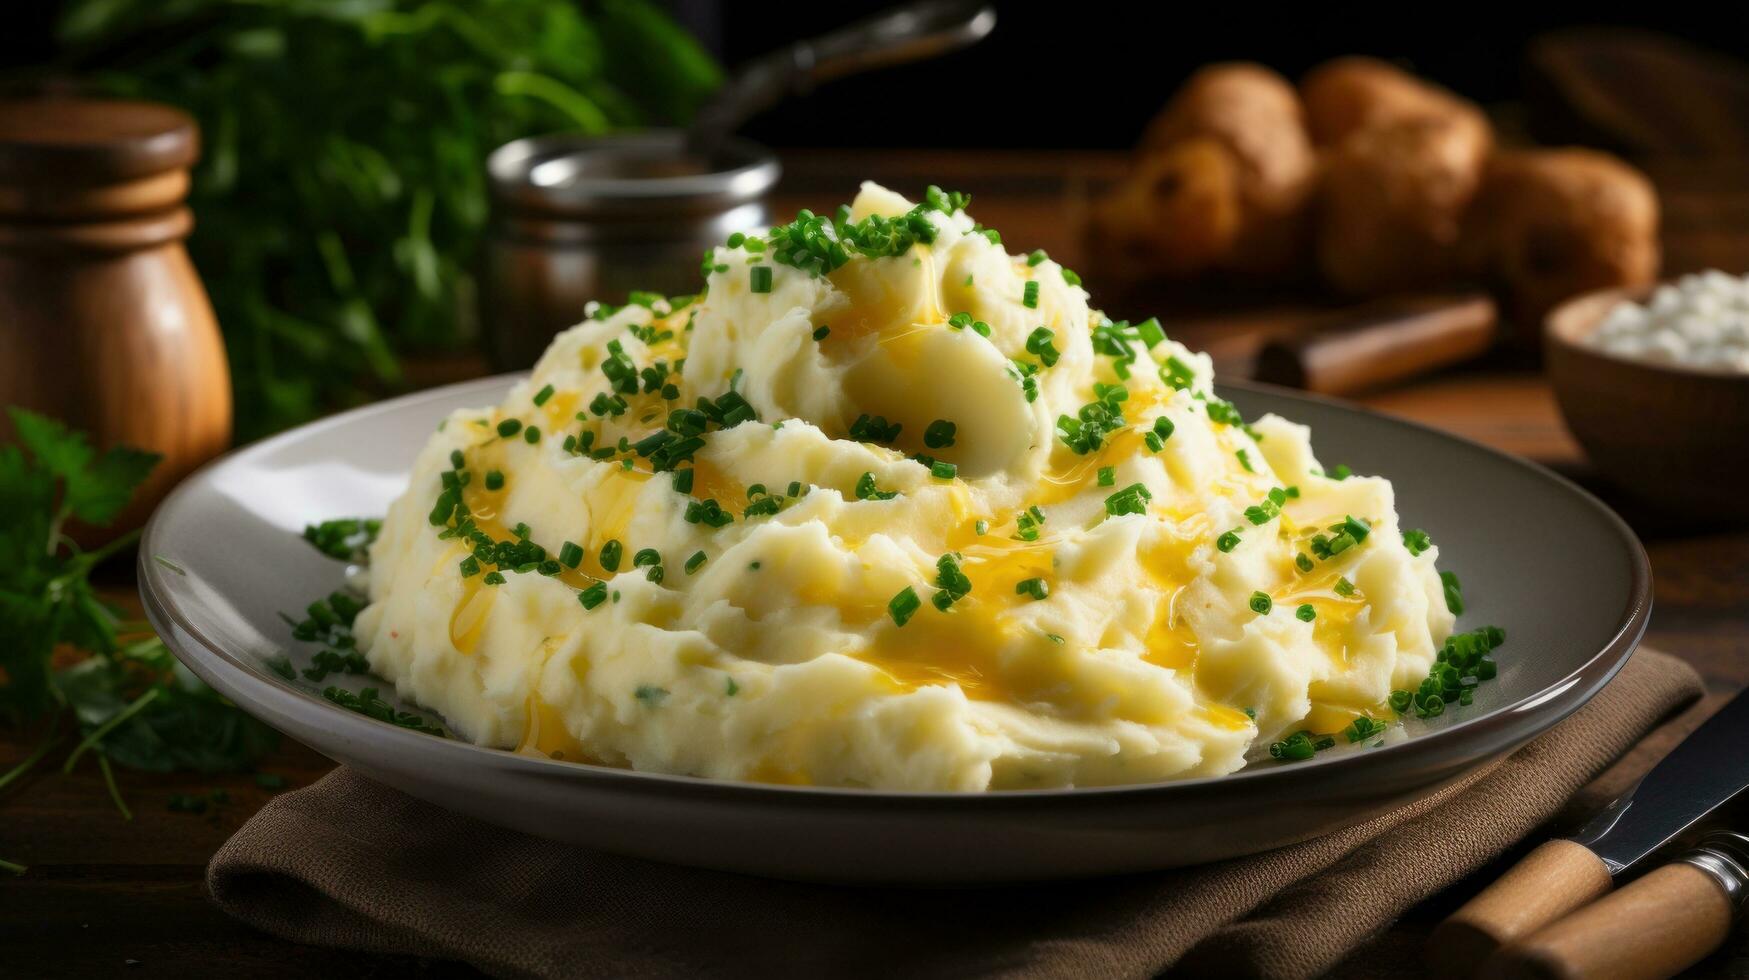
(1380,343)
(1653,928)
(1550,882)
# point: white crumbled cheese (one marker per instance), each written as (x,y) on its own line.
(1700,321)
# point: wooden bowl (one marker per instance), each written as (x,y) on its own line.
(1676,438)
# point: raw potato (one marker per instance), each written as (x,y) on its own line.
(1392,202)
(1551,224)
(1350,95)
(1250,116)
(1380,181)
(1178,214)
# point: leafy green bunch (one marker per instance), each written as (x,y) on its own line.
(342,194)
(128,698)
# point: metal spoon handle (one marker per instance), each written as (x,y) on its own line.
(910,32)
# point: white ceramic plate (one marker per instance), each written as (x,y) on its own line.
(223,557)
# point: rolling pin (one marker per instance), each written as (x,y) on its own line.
(1380,343)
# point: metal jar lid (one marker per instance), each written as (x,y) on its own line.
(642,175)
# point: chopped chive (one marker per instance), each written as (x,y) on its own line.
(1454,592)
(1107,476)
(610,555)
(693,563)
(1302,563)
(981,526)
(943,470)
(821,331)
(1261,604)
(866,489)
(1150,332)
(1038,343)
(755,490)
(541,396)
(683,481)
(1417,541)
(1132,499)
(455,459)
(531,435)
(1177,373)
(444,507)
(1344,587)
(904,605)
(951,583)
(509,427)
(1038,255)
(1363,728)
(939,435)
(1071,277)
(1245,460)
(494,480)
(794,489)
(493,578)
(571,554)
(1305,613)
(1227,542)
(759,278)
(1163,428)
(1029,295)
(1038,588)
(646,557)
(470,566)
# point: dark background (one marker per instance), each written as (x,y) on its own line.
(1090,73)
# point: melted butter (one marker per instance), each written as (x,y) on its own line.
(1330,718)
(711,482)
(614,502)
(1223,716)
(560,409)
(468,621)
(1069,475)
(1170,641)
(544,733)
(1336,613)
(961,645)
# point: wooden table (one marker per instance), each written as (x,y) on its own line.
(106,896)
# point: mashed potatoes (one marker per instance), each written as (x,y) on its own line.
(886,506)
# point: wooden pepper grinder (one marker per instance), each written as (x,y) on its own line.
(103,322)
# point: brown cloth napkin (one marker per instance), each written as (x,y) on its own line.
(349,863)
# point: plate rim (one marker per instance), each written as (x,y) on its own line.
(1506,727)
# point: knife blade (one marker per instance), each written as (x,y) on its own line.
(1706,771)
